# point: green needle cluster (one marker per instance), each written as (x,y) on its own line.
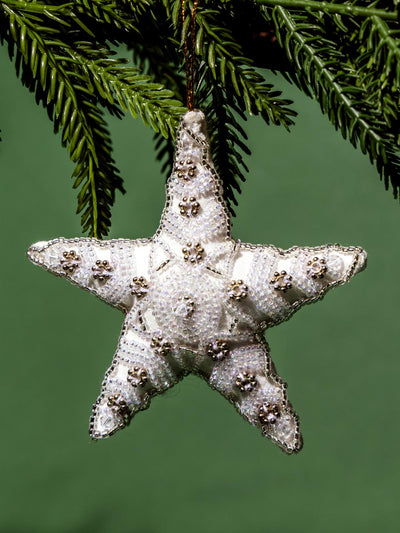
(346,54)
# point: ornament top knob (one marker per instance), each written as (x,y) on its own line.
(195,121)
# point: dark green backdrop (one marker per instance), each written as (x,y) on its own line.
(190,463)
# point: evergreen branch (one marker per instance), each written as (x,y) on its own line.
(38,7)
(74,77)
(119,14)
(99,19)
(115,82)
(217,47)
(342,90)
(344,8)
(345,53)
(58,85)
(383,45)
(99,9)
(231,86)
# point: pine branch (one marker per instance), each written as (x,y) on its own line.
(343,8)
(216,46)
(232,86)
(383,50)
(58,86)
(121,14)
(114,82)
(70,81)
(345,53)
(342,88)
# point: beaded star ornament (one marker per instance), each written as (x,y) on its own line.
(197,301)
(194,299)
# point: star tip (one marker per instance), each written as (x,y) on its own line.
(297,447)
(293,449)
(96,435)
(34,251)
(361,261)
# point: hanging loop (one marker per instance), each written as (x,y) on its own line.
(189,51)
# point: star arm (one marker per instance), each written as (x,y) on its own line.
(104,268)
(144,365)
(281,281)
(246,376)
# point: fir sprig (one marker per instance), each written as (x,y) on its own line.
(359,98)
(57,83)
(345,54)
(72,78)
(216,45)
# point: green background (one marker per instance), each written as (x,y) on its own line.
(190,463)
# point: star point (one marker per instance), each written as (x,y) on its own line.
(197,301)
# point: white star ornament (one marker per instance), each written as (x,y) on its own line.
(197,301)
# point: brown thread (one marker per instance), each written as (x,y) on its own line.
(189,54)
